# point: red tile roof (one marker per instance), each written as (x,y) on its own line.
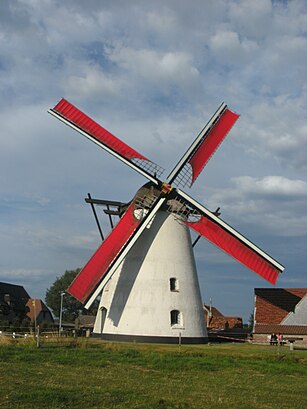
(214,311)
(218,320)
(282,329)
(273,305)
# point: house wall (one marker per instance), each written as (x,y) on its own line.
(299,315)
(263,339)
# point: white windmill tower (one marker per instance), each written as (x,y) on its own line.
(144,270)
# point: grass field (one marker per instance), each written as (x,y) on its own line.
(92,374)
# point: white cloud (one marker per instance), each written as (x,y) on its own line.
(270,204)
(91,82)
(227,47)
(160,69)
(21,273)
(277,128)
(253,18)
(161,23)
(271,186)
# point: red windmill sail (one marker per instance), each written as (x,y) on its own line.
(77,117)
(89,277)
(211,142)
(235,248)
(78,120)
(206,143)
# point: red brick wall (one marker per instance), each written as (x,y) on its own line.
(273,305)
(263,339)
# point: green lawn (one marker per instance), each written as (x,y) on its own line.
(93,374)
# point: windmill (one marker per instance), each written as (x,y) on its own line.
(144,271)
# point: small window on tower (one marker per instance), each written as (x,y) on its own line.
(173,284)
(175,317)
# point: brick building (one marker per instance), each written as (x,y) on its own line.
(37,308)
(280,311)
(216,320)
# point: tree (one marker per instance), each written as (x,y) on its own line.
(72,308)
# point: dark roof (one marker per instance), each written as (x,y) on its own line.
(273,305)
(18,295)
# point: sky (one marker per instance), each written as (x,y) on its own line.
(153,73)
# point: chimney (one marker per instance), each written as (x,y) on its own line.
(7,299)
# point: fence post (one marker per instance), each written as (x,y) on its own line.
(38,337)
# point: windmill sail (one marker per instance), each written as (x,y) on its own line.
(235,248)
(150,214)
(99,269)
(88,278)
(197,156)
(230,241)
(76,119)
